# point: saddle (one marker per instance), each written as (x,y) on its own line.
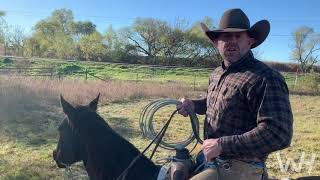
(184,169)
(180,168)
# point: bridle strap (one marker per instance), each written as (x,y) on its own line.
(157,141)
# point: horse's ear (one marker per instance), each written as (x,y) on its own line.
(68,109)
(94,103)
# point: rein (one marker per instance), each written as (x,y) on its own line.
(157,139)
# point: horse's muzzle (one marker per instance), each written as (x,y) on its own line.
(56,158)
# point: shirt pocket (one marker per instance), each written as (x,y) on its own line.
(229,95)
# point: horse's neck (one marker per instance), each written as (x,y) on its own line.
(111,155)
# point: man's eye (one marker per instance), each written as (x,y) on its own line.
(225,36)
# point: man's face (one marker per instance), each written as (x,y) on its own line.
(233,45)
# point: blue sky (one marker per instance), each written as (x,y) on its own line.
(284,15)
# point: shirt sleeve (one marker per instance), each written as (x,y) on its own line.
(269,100)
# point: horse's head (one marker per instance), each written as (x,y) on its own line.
(70,147)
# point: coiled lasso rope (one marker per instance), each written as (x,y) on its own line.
(147,128)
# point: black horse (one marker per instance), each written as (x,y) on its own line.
(85,136)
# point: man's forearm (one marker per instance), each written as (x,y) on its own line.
(260,141)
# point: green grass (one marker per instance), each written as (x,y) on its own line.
(194,77)
(20,159)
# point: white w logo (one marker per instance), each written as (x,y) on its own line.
(296,167)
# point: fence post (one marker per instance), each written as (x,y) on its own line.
(137,78)
(296,79)
(59,75)
(86,74)
(51,73)
(194,82)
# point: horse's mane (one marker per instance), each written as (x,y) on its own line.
(107,150)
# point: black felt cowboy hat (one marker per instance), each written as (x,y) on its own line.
(235,20)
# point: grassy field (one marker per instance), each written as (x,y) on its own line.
(195,78)
(190,76)
(30,113)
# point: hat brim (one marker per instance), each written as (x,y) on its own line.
(259,31)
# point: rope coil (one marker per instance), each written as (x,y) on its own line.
(147,128)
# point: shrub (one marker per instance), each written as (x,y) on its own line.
(308,84)
(7,61)
(311,80)
(69,68)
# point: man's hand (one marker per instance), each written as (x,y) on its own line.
(184,106)
(211,149)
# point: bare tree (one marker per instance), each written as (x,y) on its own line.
(146,35)
(4,35)
(306,47)
(17,38)
(257,53)
(175,42)
(3,29)
(200,47)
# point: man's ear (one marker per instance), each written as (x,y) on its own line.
(250,38)
(93,105)
(215,43)
(251,41)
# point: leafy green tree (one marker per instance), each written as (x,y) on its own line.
(54,35)
(64,46)
(92,46)
(115,45)
(58,36)
(82,28)
(63,19)
(32,47)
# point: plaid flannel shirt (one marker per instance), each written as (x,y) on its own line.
(247,107)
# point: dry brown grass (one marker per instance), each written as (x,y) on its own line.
(27,102)
(80,91)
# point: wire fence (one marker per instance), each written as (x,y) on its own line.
(45,72)
(195,78)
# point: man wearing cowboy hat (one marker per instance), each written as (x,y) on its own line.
(247,108)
